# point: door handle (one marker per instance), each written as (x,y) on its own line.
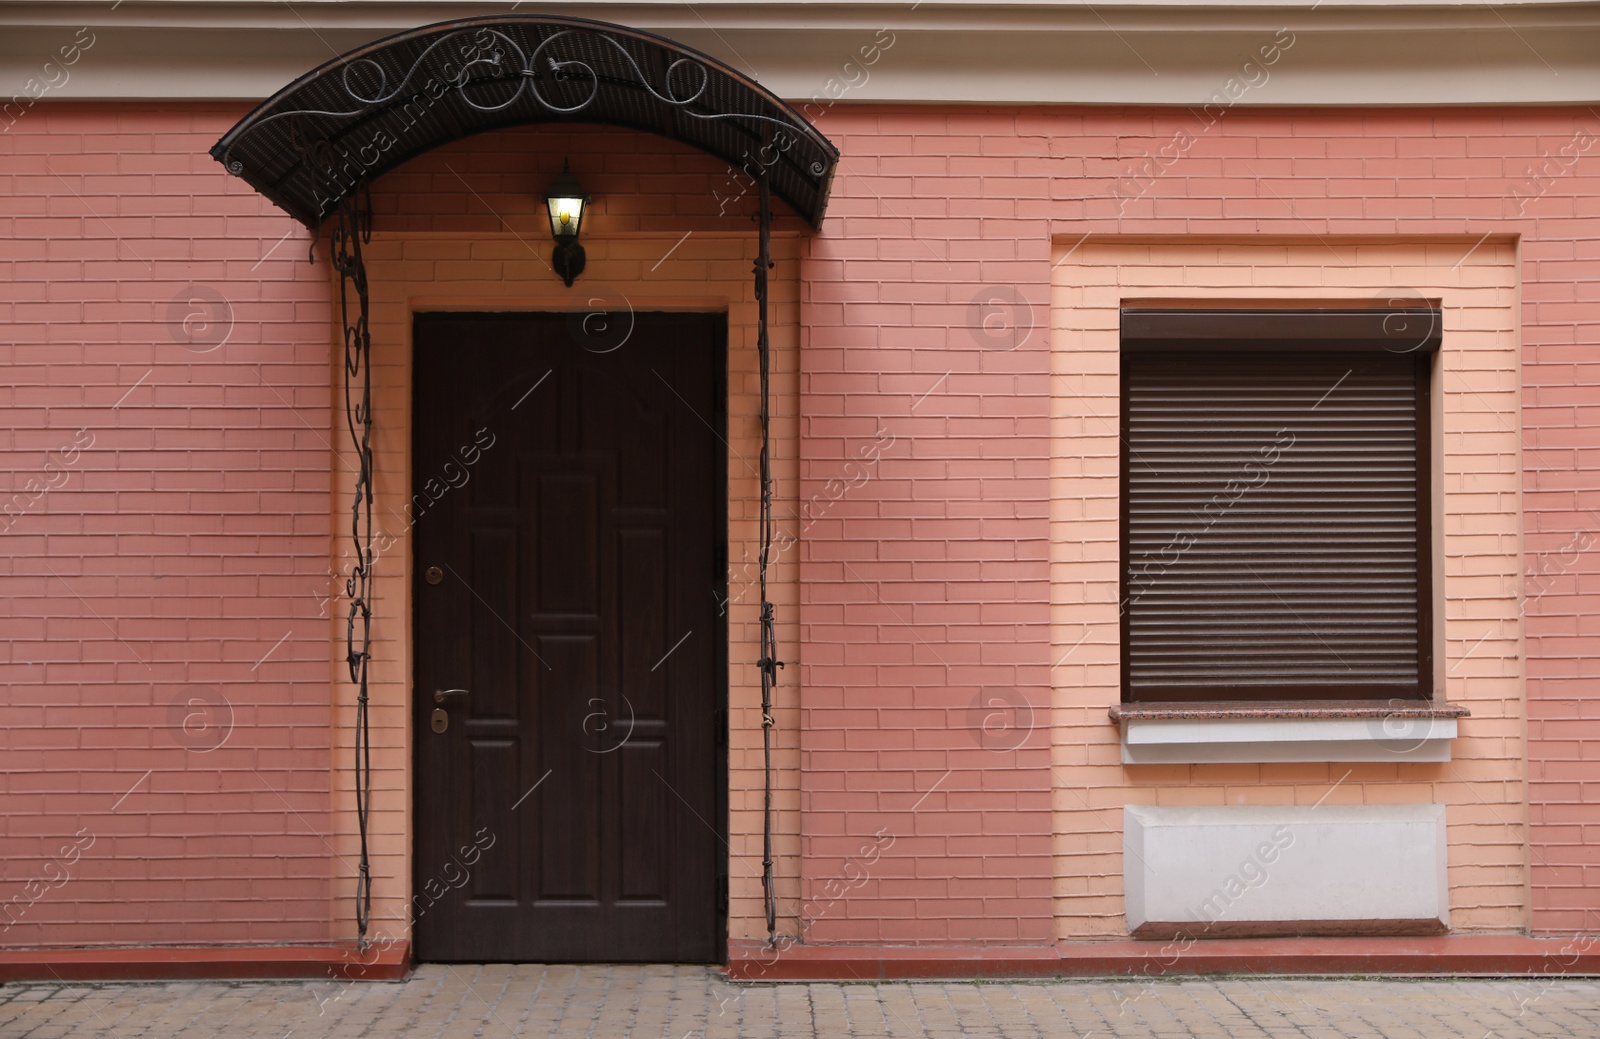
(441,695)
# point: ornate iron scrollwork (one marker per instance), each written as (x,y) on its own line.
(495,58)
(355,118)
(377,106)
(351,232)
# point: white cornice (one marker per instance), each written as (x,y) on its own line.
(1113,52)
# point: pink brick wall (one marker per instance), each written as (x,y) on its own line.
(180,553)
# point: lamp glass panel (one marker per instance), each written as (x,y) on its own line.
(565,215)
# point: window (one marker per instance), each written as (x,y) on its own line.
(1275,504)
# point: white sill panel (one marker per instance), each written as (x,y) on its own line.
(1164,741)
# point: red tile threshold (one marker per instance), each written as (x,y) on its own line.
(1499,954)
(884,963)
(337,962)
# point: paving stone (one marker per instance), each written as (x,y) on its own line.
(498,1001)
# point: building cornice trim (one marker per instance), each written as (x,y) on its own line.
(1119,52)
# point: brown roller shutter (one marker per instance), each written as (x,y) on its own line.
(1275,524)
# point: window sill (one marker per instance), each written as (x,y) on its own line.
(1276,731)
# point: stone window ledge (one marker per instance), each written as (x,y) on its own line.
(1245,731)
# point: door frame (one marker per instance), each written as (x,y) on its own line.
(720,548)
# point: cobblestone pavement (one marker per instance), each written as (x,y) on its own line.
(695,1002)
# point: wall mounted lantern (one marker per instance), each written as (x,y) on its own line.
(566,201)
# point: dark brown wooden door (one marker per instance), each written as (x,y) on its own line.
(568,523)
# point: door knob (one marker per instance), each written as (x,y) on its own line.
(441,695)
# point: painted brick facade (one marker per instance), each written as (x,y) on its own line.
(941,202)
(187,547)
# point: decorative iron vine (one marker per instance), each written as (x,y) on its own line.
(352,231)
(769,662)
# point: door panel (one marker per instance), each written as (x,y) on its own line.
(574,807)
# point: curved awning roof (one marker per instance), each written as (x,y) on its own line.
(366,112)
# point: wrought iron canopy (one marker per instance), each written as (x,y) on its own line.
(344,124)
